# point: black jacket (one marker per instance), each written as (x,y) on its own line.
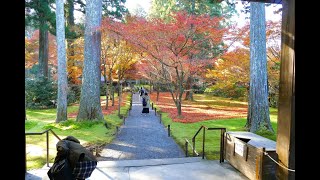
(76,151)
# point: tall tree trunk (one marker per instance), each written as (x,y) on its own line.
(189,94)
(62,63)
(70,22)
(178,104)
(119,93)
(158,91)
(258,112)
(118,88)
(111,87)
(112,95)
(43,49)
(106,83)
(90,106)
(107,96)
(70,13)
(25,106)
(150,91)
(177,97)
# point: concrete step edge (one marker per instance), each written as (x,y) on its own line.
(147,162)
(141,162)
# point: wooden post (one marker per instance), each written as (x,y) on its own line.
(203,140)
(286,111)
(169,130)
(222,145)
(130,104)
(262,150)
(193,147)
(25,155)
(47,134)
(155,111)
(186,145)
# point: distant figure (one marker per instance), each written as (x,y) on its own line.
(145,103)
(141,91)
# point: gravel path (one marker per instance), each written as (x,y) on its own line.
(141,137)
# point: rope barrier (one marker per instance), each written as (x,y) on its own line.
(292,170)
(192,147)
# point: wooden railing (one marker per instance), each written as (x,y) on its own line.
(204,128)
(47,139)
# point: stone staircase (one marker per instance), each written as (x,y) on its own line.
(194,168)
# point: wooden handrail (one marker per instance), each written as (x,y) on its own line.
(223,130)
(194,137)
(40,133)
(47,140)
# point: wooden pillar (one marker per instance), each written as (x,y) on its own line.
(286,110)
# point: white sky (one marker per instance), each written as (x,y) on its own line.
(269,14)
(131,4)
(146,4)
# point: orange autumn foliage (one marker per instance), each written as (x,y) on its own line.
(193,111)
(32,52)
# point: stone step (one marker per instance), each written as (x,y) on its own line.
(147,162)
(160,169)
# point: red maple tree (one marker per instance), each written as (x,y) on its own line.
(168,46)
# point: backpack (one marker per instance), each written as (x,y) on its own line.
(144,101)
(61,170)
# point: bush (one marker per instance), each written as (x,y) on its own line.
(41,93)
(74,93)
(198,89)
(232,91)
(273,100)
(103,89)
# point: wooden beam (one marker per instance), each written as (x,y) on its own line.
(286,109)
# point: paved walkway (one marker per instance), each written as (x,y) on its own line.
(141,137)
(143,151)
(156,169)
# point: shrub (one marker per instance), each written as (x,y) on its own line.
(41,93)
(198,89)
(228,91)
(273,100)
(74,93)
(103,89)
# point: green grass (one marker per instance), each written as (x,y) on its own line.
(88,132)
(96,133)
(182,131)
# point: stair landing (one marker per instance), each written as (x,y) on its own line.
(156,169)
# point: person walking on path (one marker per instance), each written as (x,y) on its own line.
(141,137)
(145,103)
(141,91)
